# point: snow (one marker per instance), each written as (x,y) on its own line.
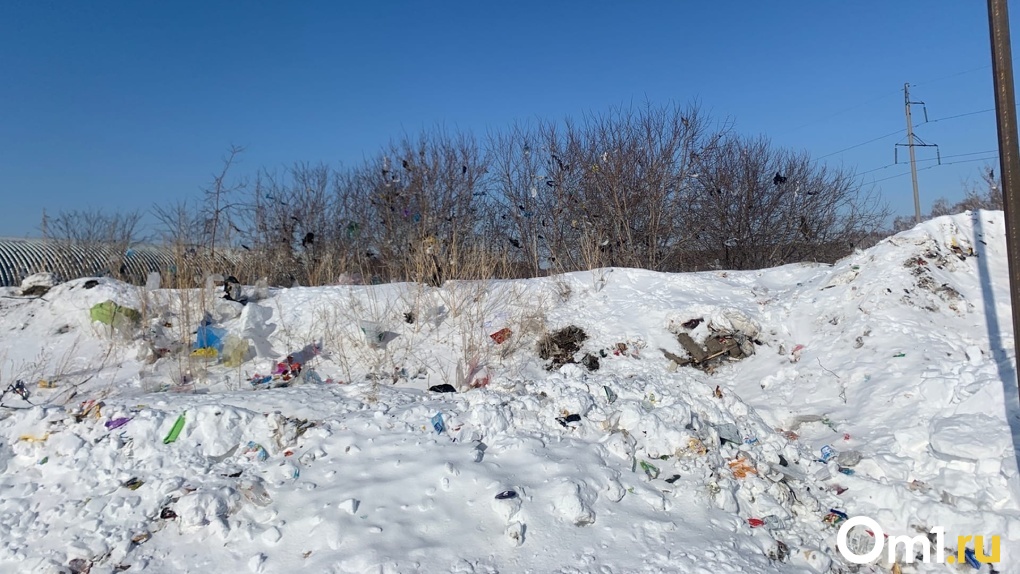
(899,358)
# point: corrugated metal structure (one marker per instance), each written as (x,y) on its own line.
(20,258)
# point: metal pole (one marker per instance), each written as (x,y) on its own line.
(910,145)
(1009,154)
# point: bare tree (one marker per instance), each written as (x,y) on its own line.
(760,206)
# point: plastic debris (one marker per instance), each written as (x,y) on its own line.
(255,493)
(438,424)
(568,419)
(236,351)
(209,337)
(835,517)
(673,478)
(88,408)
(650,469)
(444,388)
(255,451)
(756,522)
(506,494)
(117,423)
(610,395)
(18,387)
(847,471)
(728,432)
(828,453)
(133,483)
(773,522)
(695,446)
(898,355)
(741,467)
(175,431)
(971,558)
(751,440)
(208,353)
(501,336)
(114,315)
(167,513)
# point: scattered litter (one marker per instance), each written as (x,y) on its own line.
(795,354)
(828,453)
(568,419)
(133,483)
(88,408)
(255,493)
(847,471)
(444,388)
(695,446)
(18,387)
(898,355)
(673,478)
(175,431)
(79,566)
(971,558)
(693,323)
(590,362)
(117,423)
(560,346)
(728,432)
(834,517)
(167,513)
(741,467)
(114,315)
(506,494)
(255,451)
(438,424)
(718,392)
(610,395)
(501,336)
(650,469)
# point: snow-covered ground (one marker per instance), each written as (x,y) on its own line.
(901,356)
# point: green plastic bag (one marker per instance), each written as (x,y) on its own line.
(110,313)
(176,431)
(235,351)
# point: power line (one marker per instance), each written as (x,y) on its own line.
(903,130)
(934,166)
(860,144)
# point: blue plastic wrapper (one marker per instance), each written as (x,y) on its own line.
(438,424)
(971,559)
(827,453)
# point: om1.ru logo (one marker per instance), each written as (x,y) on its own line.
(920,542)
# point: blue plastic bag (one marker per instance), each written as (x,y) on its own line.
(210,337)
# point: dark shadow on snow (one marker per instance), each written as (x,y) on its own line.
(1005,364)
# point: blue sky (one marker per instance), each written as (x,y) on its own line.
(118,105)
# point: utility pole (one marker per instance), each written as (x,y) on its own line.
(1009,154)
(913,141)
(913,161)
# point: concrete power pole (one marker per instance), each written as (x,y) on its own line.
(912,142)
(913,162)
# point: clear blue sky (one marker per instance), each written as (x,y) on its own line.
(117,105)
